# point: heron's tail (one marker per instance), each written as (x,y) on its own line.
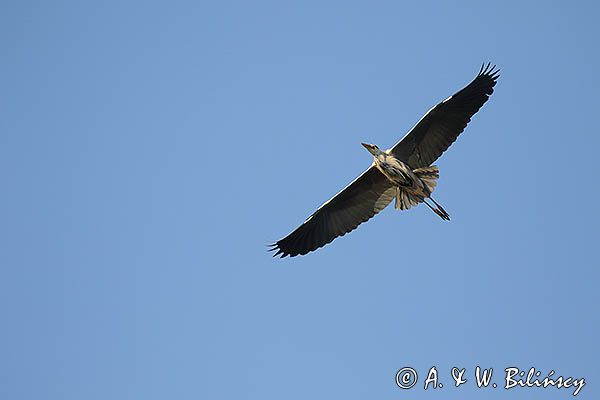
(429,176)
(406,199)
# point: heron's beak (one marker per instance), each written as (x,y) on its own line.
(366,146)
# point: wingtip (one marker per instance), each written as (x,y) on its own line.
(279,253)
(490,71)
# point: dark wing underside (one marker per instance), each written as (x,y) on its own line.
(367,195)
(371,192)
(440,127)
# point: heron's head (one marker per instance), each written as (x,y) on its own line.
(373,149)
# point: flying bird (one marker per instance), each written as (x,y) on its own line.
(403,173)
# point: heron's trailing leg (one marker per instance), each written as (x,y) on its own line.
(406,200)
(439,210)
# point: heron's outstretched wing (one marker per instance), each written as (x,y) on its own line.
(440,127)
(368,194)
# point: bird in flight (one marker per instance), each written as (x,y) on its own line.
(403,173)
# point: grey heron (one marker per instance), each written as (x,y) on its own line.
(403,173)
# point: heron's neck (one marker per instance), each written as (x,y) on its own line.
(381,156)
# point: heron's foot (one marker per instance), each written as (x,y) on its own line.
(442,213)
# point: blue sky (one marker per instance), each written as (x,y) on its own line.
(149,151)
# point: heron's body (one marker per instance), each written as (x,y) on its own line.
(403,173)
(412,186)
(397,172)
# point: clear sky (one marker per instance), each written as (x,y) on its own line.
(149,151)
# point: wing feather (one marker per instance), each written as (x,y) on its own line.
(371,192)
(442,124)
(358,202)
